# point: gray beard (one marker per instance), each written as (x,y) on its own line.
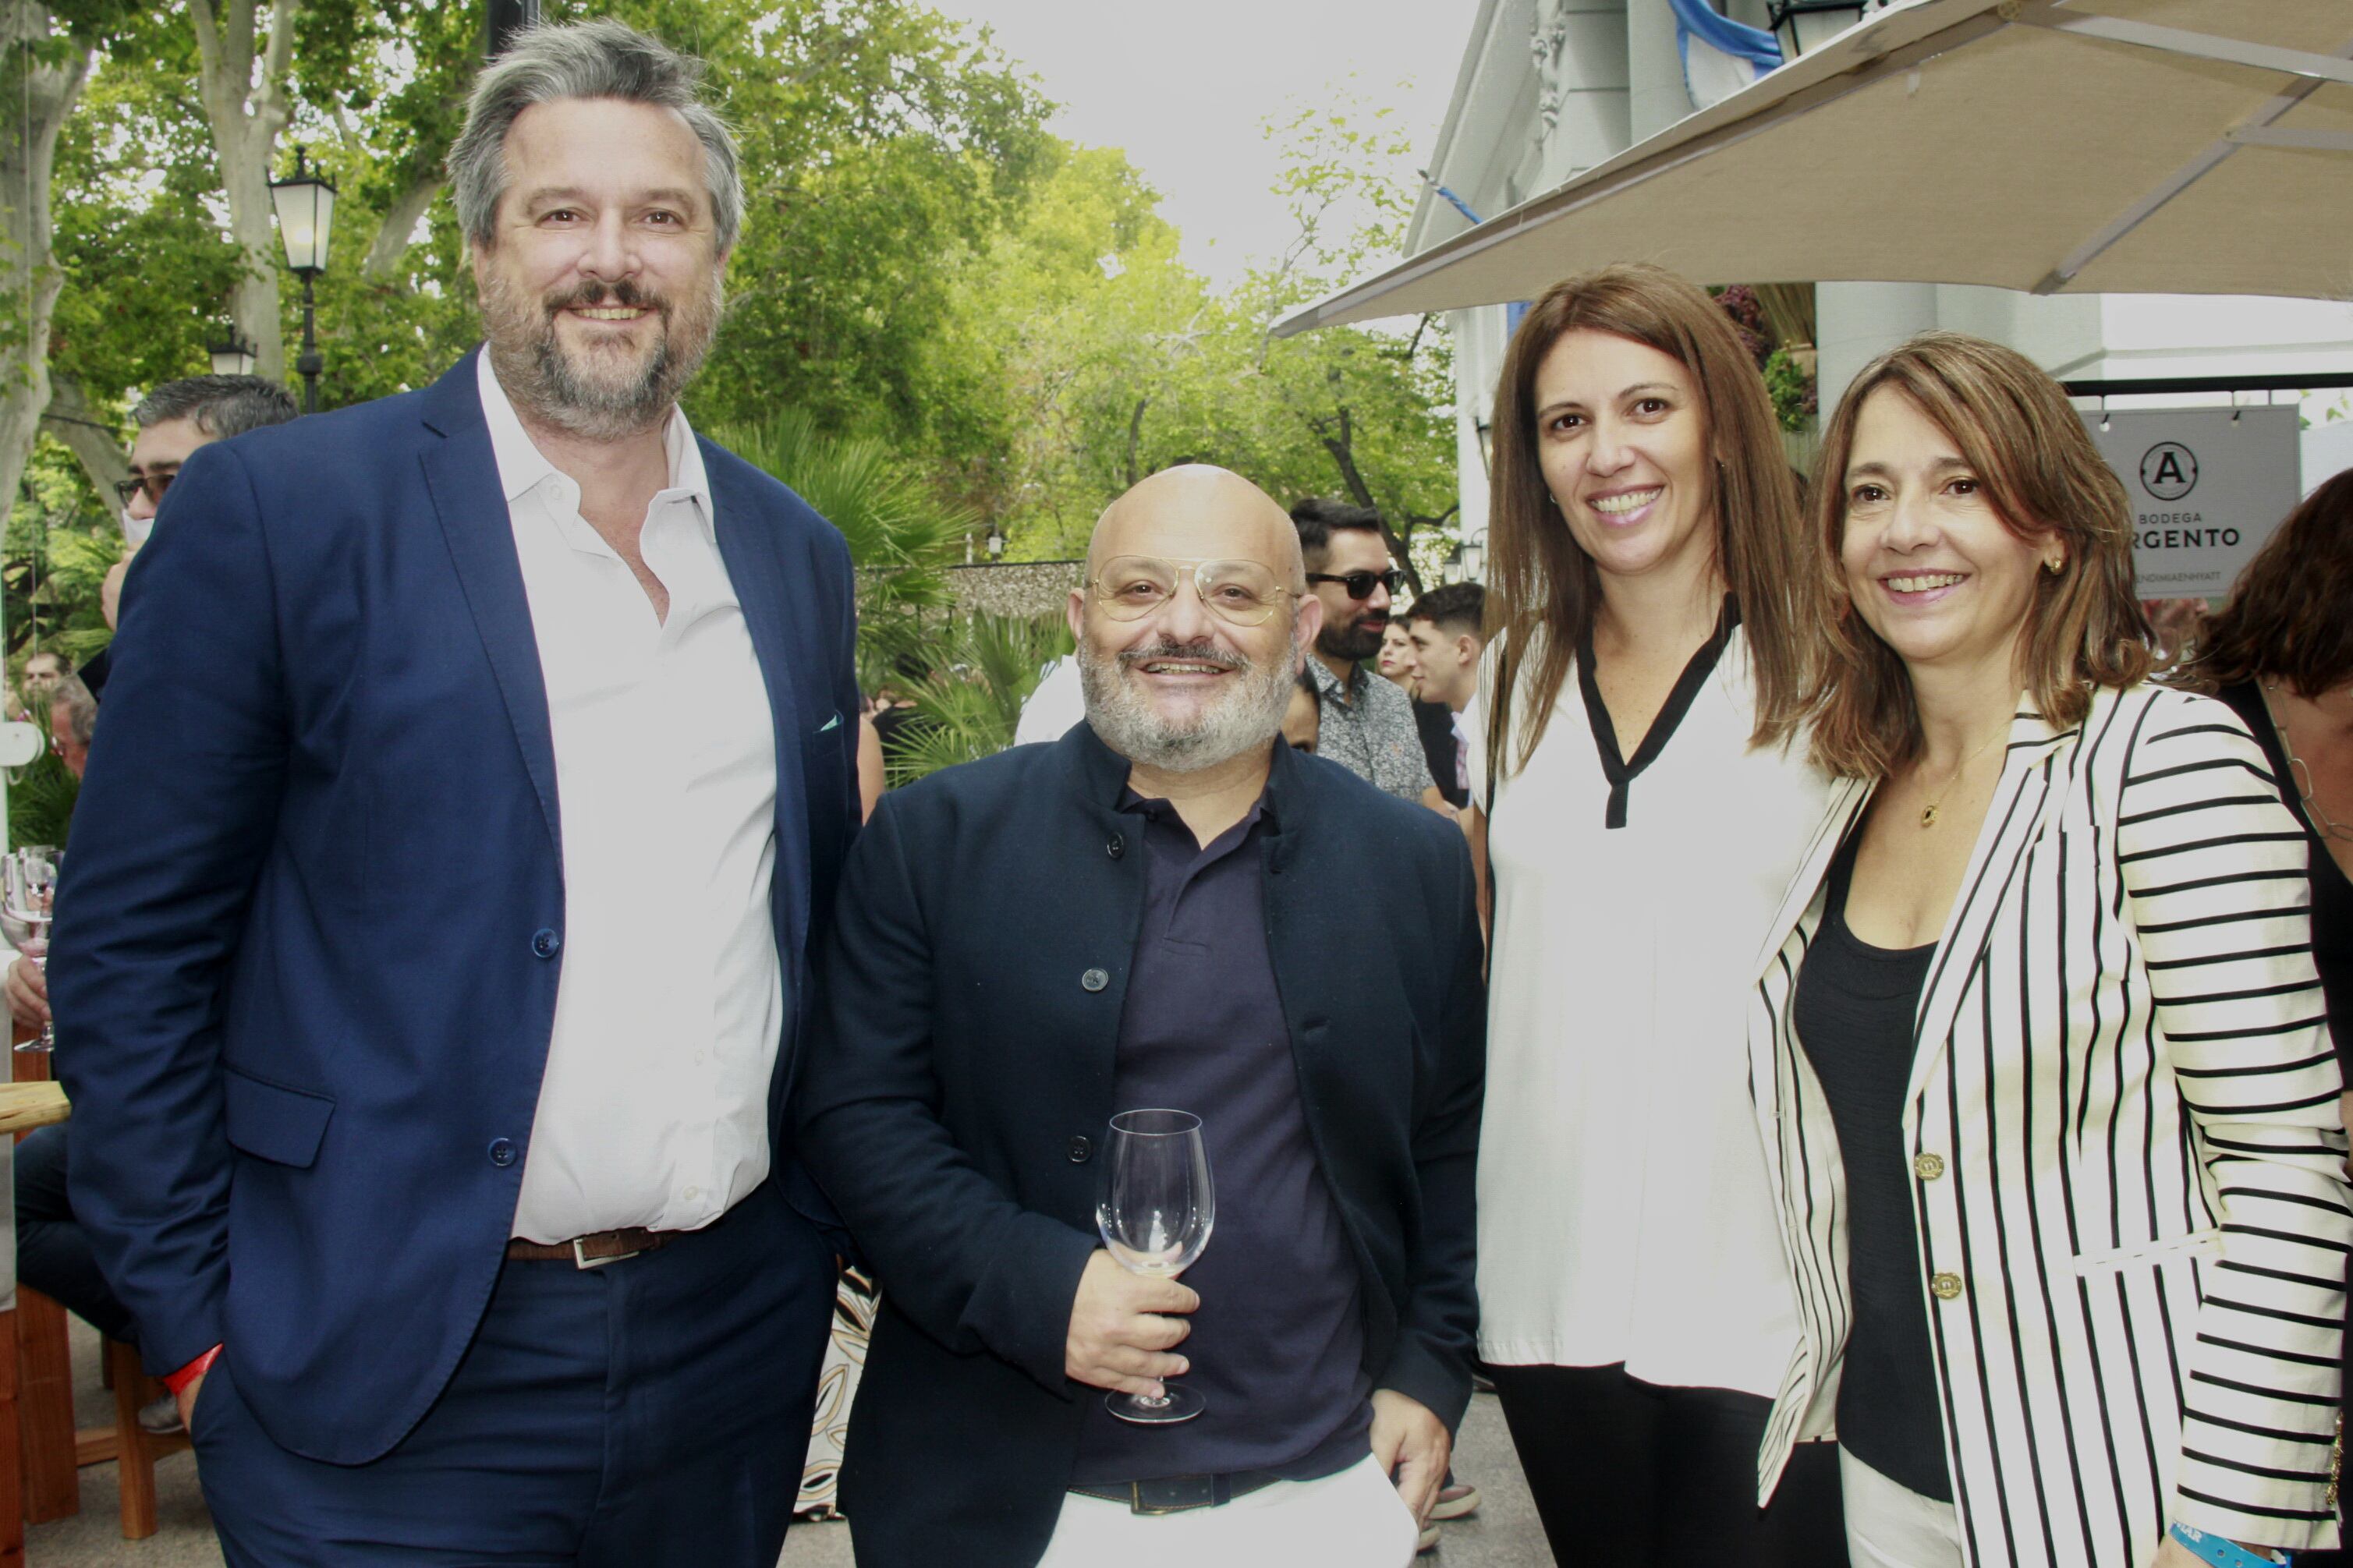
(542,380)
(1249,716)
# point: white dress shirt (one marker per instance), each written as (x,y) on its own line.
(1624,1209)
(669,1012)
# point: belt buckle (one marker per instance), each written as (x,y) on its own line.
(580,1259)
(1173,1494)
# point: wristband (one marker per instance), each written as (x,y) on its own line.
(2224,1553)
(178,1381)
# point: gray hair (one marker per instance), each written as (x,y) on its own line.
(81,709)
(220,406)
(584,60)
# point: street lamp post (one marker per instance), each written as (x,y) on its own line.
(306,218)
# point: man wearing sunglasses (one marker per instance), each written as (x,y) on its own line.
(1160,909)
(1367,724)
(174,420)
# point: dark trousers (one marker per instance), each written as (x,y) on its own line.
(1625,1471)
(650,1412)
(53,1252)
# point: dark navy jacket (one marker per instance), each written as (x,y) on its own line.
(308,940)
(959,1083)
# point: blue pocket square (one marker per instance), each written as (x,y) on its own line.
(832,723)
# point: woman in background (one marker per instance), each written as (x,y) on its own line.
(1635,1306)
(2039,1045)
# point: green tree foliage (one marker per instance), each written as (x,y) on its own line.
(983,669)
(1119,360)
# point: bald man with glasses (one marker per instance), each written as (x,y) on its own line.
(1161,910)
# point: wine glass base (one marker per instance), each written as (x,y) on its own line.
(1181,1404)
(27,1048)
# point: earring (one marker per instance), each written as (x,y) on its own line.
(2055,567)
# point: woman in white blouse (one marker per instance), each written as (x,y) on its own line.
(2040,1052)
(1635,1306)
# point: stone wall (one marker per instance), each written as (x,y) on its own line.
(1026,588)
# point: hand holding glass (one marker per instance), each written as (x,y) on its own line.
(1155,1215)
(28,880)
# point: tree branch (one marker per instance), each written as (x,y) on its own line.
(393,235)
(73,421)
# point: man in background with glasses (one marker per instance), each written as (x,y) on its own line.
(174,420)
(1151,913)
(1367,723)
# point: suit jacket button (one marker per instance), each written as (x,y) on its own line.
(1945,1287)
(546,944)
(1927,1167)
(503,1153)
(1115,846)
(1081,1149)
(1093,980)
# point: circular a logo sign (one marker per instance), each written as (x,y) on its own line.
(2169,470)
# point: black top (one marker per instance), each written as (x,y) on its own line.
(2332,893)
(1277,1346)
(1855,1013)
(1614,766)
(1441,748)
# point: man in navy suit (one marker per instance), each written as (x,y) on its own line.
(476,775)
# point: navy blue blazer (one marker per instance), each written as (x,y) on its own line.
(311,917)
(960,1082)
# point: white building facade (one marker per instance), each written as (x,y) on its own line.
(1547,89)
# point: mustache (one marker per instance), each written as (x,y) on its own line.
(1203,652)
(596,294)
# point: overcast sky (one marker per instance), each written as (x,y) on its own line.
(1185,85)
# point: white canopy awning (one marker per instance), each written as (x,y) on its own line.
(2061,146)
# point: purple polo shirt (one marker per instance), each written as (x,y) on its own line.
(1278,1344)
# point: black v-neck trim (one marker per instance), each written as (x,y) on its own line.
(1614,767)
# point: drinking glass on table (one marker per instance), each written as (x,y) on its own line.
(1155,1215)
(28,885)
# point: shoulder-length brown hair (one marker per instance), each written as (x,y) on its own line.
(2027,447)
(2291,612)
(1543,591)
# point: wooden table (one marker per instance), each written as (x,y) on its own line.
(23,1107)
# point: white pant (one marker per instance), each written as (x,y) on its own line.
(1353,1520)
(1889,1525)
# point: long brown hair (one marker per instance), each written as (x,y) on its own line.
(2043,478)
(1543,591)
(2291,612)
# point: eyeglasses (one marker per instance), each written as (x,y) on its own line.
(154,484)
(1360,585)
(1240,593)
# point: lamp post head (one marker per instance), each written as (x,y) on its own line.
(1803,26)
(230,353)
(306,215)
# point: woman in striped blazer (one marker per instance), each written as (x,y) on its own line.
(2037,1047)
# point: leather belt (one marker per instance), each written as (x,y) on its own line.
(1180,1494)
(591,1251)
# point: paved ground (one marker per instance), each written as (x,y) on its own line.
(1503,1535)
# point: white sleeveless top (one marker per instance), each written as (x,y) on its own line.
(1624,1215)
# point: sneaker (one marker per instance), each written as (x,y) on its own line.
(161,1418)
(1429,1539)
(1456,1500)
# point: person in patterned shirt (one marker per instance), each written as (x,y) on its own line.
(1366,723)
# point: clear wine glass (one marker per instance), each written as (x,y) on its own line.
(28,882)
(1156,1212)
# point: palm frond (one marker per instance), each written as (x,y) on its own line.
(982,669)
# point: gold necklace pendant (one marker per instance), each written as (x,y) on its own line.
(1928,816)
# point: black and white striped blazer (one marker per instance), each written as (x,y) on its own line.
(2127,1156)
